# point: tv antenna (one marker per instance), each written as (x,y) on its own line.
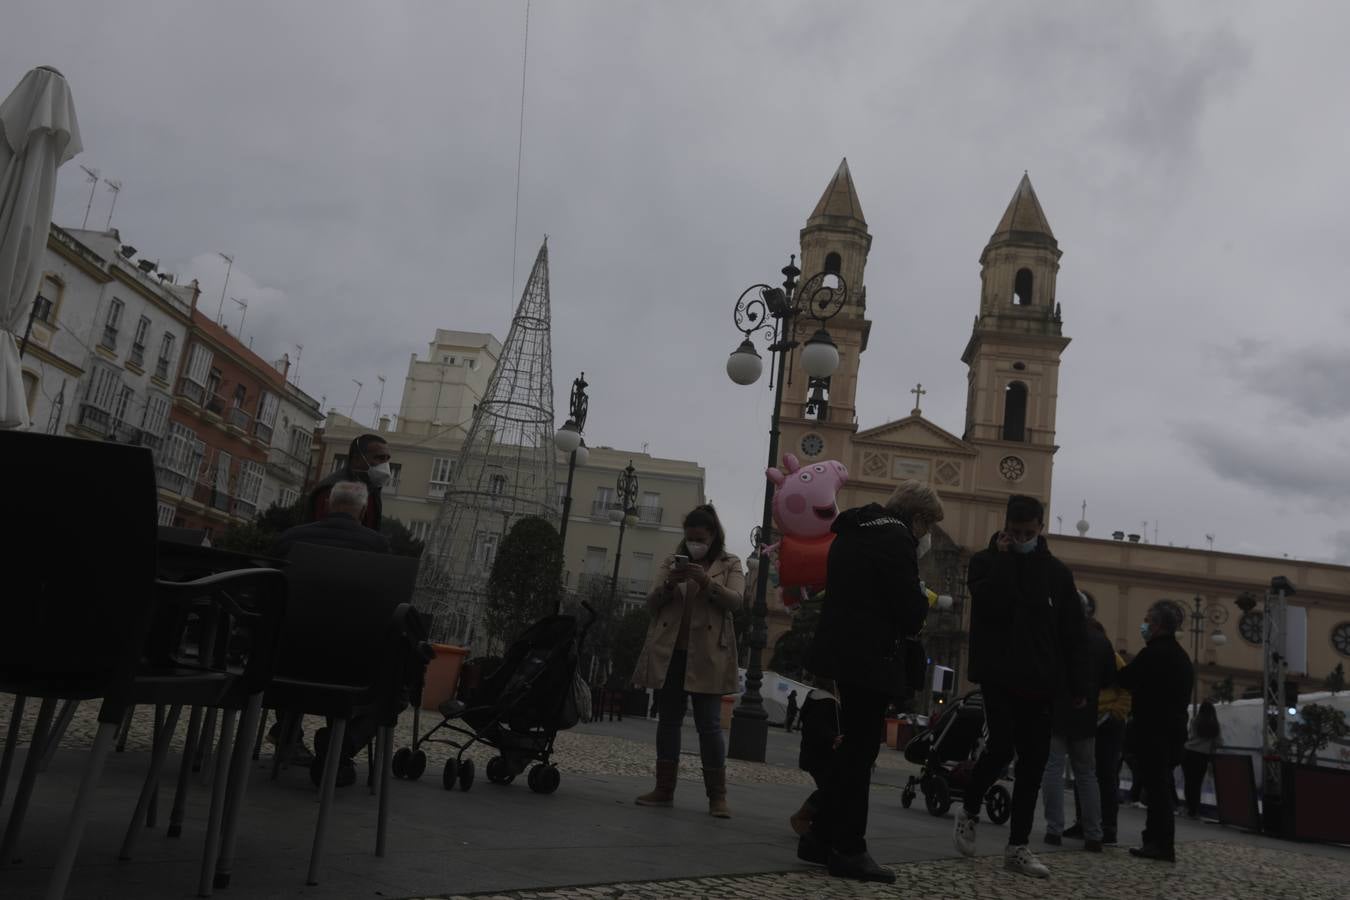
(91,175)
(1210,538)
(229,264)
(295,370)
(379,402)
(359,385)
(243,311)
(114,187)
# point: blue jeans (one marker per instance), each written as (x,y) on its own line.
(707,718)
(1082,754)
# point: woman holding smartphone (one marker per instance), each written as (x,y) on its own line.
(690,652)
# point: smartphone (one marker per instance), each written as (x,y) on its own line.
(680,561)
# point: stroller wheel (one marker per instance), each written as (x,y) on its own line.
(907,798)
(417,764)
(544,779)
(498,772)
(399,763)
(449,773)
(998,804)
(937,796)
(466,775)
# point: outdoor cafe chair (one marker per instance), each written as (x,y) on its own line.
(351,645)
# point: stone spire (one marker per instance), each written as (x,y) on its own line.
(839,203)
(1024,221)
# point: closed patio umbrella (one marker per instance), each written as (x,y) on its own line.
(38,133)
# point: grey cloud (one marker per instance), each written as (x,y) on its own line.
(1272,461)
(1313,381)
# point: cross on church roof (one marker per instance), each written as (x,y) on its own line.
(918,393)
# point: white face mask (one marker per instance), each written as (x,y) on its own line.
(380,475)
(925,544)
(696,551)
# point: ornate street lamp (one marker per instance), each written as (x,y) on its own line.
(773,313)
(570,441)
(1215,614)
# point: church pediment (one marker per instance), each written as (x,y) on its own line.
(917,432)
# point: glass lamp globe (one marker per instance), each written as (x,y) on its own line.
(630,519)
(583,454)
(1218,638)
(820,357)
(744,364)
(945,601)
(615,515)
(568,438)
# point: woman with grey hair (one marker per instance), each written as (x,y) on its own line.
(1159,680)
(873,602)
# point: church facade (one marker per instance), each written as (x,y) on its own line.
(1007,446)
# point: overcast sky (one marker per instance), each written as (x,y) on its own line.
(359,160)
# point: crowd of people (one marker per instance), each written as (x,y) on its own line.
(1056,695)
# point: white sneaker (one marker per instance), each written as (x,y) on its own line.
(964,836)
(1021,859)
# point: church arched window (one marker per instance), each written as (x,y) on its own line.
(1015,412)
(1022,288)
(832,263)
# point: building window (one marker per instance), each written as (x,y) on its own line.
(604,499)
(1022,286)
(111,324)
(832,263)
(497,485)
(213,399)
(485,549)
(640,573)
(562,493)
(395,472)
(595,561)
(301,443)
(288,498)
(137,355)
(156,415)
(197,375)
(650,508)
(1015,412)
(267,417)
(165,354)
(247,487)
(421,530)
(339,463)
(42,309)
(166,514)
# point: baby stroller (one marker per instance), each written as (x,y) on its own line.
(947,749)
(518,709)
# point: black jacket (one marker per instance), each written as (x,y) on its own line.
(1099,669)
(338,530)
(1026,623)
(872,598)
(316,504)
(1159,681)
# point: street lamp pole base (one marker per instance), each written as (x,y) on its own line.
(749,737)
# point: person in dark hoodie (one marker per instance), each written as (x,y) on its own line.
(1026,647)
(368,462)
(873,602)
(1159,679)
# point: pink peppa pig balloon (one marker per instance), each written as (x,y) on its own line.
(804,508)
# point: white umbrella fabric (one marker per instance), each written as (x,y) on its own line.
(38,133)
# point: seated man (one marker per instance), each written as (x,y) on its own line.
(342,528)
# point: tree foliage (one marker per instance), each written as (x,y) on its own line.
(1222,691)
(630,633)
(1316,726)
(401,540)
(1336,680)
(523,586)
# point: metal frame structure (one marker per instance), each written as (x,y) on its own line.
(1274,669)
(505,472)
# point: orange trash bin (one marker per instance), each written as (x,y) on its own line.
(442,675)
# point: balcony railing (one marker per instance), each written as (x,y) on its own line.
(170,480)
(436,489)
(162,369)
(137,355)
(207,494)
(262,431)
(286,465)
(650,514)
(191,390)
(600,508)
(236,417)
(109,338)
(215,404)
(113,429)
(94,418)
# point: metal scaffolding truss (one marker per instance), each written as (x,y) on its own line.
(1275,668)
(505,472)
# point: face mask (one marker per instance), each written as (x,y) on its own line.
(1028,547)
(380,475)
(696,551)
(1143,631)
(925,544)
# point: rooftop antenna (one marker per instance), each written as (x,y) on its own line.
(114,187)
(1060,520)
(359,385)
(243,311)
(229,264)
(1155,531)
(91,176)
(1144,529)
(295,370)
(1210,538)
(380,401)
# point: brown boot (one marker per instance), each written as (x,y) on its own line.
(801,819)
(664,795)
(715,780)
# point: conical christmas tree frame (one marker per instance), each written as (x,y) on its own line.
(506,471)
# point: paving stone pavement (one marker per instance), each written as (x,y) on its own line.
(1206,870)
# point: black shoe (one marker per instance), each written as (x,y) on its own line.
(1073,831)
(859,866)
(1092,846)
(812,849)
(1152,851)
(1053,839)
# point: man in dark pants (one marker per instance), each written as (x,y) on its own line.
(1159,680)
(1026,645)
(873,601)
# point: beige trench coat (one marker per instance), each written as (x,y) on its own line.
(712,636)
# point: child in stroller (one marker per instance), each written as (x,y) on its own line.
(947,750)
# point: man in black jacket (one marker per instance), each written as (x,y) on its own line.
(1160,679)
(873,601)
(347,501)
(1026,645)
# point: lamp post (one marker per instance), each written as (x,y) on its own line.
(1203,612)
(625,514)
(570,441)
(773,313)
